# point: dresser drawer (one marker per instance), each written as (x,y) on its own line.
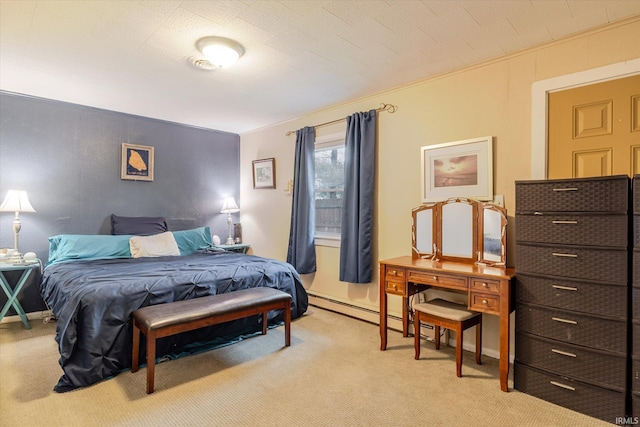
(636,230)
(602,194)
(572,327)
(437,279)
(605,369)
(594,401)
(589,230)
(488,303)
(635,303)
(598,264)
(592,298)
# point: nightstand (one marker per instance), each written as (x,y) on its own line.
(239,247)
(12,294)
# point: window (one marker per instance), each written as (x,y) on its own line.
(329,184)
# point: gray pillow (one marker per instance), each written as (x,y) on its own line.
(138,225)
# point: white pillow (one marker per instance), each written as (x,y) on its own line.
(163,244)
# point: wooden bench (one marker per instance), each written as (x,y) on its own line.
(157,321)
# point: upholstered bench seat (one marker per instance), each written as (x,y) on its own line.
(446,314)
(157,321)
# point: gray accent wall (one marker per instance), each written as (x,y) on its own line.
(67,158)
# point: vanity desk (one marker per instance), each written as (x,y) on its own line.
(457,245)
(488,290)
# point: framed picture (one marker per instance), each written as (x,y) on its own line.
(264,173)
(137,162)
(458,169)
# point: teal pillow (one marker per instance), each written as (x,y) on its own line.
(190,241)
(70,247)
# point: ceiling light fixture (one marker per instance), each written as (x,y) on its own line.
(220,51)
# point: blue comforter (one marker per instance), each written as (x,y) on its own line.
(93,301)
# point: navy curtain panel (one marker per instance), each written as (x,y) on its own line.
(357,203)
(302,250)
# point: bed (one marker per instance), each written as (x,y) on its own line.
(92,285)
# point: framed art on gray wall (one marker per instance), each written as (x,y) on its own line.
(458,169)
(137,162)
(264,173)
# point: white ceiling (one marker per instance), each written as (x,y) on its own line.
(134,56)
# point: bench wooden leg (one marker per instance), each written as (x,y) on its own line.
(264,322)
(459,353)
(287,324)
(151,360)
(136,348)
(479,343)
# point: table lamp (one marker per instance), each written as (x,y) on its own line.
(229,206)
(16,201)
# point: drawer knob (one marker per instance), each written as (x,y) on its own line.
(567,387)
(484,285)
(484,301)
(395,287)
(435,278)
(394,272)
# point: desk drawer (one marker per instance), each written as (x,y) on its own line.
(484,302)
(395,287)
(593,298)
(574,328)
(437,279)
(486,286)
(395,273)
(599,264)
(590,230)
(602,368)
(594,401)
(602,194)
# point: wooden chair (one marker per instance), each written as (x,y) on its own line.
(446,314)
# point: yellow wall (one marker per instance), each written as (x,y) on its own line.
(490,99)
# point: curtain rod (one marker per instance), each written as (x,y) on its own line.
(383,107)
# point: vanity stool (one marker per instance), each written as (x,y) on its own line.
(446,314)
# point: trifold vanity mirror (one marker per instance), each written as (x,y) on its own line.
(462,230)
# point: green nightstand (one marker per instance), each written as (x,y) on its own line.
(241,248)
(12,294)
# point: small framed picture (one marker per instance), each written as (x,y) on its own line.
(137,162)
(264,173)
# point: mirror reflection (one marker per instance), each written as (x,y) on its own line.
(494,226)
(458,231)
(424,235)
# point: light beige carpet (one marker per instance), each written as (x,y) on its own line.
(332,375)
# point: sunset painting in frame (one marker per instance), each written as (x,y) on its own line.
(458,169)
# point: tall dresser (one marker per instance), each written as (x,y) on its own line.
(572,293)
(635,303)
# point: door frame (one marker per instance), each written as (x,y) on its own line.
(539,104)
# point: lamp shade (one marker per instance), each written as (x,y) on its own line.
(229,206)
(16,201)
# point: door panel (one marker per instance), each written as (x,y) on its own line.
(594,130)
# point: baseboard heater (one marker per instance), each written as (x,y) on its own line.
(361,313)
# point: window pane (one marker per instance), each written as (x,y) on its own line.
(329,185)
